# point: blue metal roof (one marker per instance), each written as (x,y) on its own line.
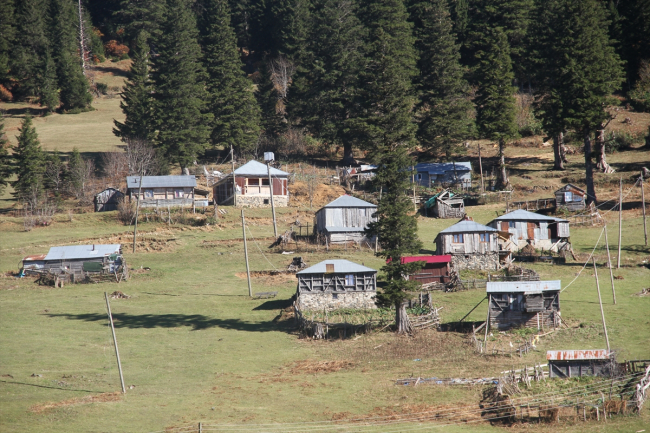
(81,251)
(443,167)
(349,201)
(468,227)
(524,286)
(524,215)
(255,168)
(161,182)
(340,267)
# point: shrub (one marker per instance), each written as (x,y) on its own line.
(616,141)
(640,95)
(102,88)
(115,49)
(527,124)
(125,212)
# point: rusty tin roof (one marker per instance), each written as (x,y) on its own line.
(571,355)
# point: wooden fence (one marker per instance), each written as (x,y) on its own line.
(531,205)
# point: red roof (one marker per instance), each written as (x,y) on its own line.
(35,257)
(427,259)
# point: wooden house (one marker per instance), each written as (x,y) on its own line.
(77,260)
(529,228)
(445,204)
(570,197)
(162,191)
(252,187)
(470,244)
(429,174)
(335,284)
(579,363)
(108,200)
(345,219)
(436,269)
(531,304)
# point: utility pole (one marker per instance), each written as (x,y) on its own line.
(645,228)
(600,301)
(117,352)
(480,165)
(620,222)
(137,211)
(609,262)
(234,182)
(248,271)
(275,226)
(413,178)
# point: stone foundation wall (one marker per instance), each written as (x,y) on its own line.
(326,300)
(258,201)
(488,261)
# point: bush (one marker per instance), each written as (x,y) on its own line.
(617,141)
(115,49)
(640,95)
(102,88)
(527,124)
(125,212)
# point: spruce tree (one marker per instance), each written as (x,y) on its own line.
(180,97)
(137,101)
(7,35)
(495,103)
(28,162)
(6,166)
(290,27)
(444,110)
(232,102)
(138,16)
(272,105)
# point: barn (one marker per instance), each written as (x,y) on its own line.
(570,197)
(162,191)
(470,244)
(530,304)
(77,260)
(345,219)
(108,199)
(579,363)
(445,204)
(529,228)
(444,173)
(436,269)
(252,187)
(336,284)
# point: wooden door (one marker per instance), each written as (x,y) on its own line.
(531,230)
(504,226)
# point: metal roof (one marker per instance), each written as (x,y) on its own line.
(524,215)
(468,227)
(340,267)
(161,181)
(349,201)
(443,167)
(337,229)
(427,259)
(255,168)
(569,355)
(524,286)
(36,257)
(82,251)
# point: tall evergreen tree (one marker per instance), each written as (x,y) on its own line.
(138,16)
(75,90)
(7,35)
(444,111)
(272,104)
(180,97)
(232,102)
(28,161)
(6,167)
(290,27)
(576,92)
(137,101)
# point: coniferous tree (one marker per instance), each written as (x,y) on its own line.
(272,105)
(232,102)
(7,35)
(290,28)
(240,19)
(140,16)
(6,167)
(137,101)
(444,111)
(180,98)
(28,162)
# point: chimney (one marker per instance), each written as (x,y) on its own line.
(329,268)
(93,247)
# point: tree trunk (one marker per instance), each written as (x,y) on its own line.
(589,169)
(402,320)
(503,176)
(348,157)
(558,144)
(600,152)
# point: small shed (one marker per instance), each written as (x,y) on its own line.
(444,173)
(108,199)
(335,284)
(252,186)
(579,363)
(77,260)
(446,204)
(470,244)
(570,197)
(345,219)
(33,264)
(437,269)
(163,191)
(530,304)
(540,231)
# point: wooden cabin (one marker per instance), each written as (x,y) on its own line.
(436,269)
(570,197)
(429,174)
(108,200)
(579,363)
(162,191)
(335,284)
(470,244)
(76,260)
(530,304)
(252,187)
(445,204)
(540,231)
(345,219)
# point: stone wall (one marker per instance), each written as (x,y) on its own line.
(333,301)
(488,261)
(259,201)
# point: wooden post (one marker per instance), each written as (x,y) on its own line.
(234,182)
(200,427)
(117,352)
(620,223)
(275,226)
(609,261)
(645,228)
(600,302)
(487,320)
(248,272)
(415,206)
(137,209)
(480,164)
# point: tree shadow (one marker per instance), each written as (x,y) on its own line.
(276,304)
(24,111)
(51,387)
(112,70)
(425,251)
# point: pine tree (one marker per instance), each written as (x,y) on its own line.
(75,90)
(28,162)
(180,98)
(444,110)
(241,16)
(495,103)
(232,102)
(7,35)
(290,27)
(577,93)
(6,166)
(139,16)
(136,101)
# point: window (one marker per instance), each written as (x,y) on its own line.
(335,295)
(485,237)
(179,193)
(265,182)
(511,224)
(419,176)
(148,193)
(266,201)
(349,280)
(568,196)
(253,182)
(458,239)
